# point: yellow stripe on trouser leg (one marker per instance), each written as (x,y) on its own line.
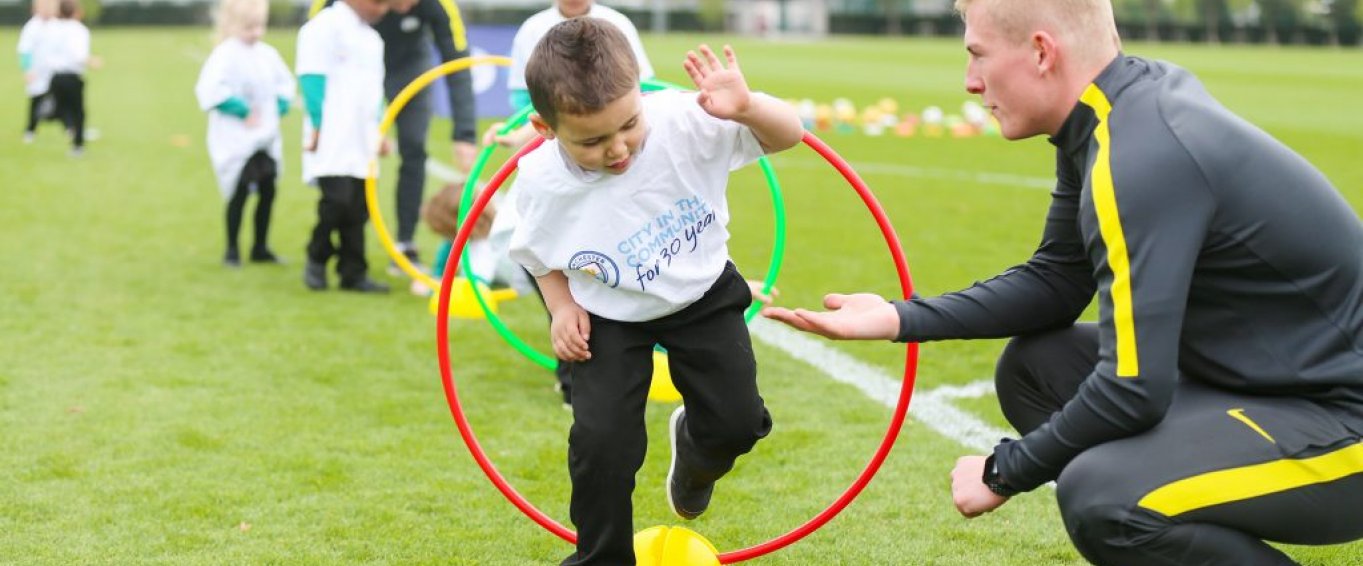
(1247,482)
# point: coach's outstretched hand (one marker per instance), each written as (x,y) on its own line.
(863,316)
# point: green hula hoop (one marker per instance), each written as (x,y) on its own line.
(778,250)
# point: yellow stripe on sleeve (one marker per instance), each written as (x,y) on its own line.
(1238,484)
(461,40)
(1110,225)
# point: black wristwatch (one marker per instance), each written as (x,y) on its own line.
(993,481)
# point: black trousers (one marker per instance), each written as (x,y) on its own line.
(341,210)
(35,110)
(712,364)
(68,91)
(412,123)
(260,170)
(1222,473)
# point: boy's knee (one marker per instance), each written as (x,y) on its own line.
(731,434)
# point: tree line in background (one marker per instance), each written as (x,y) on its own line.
(1277,22)
(1297,22)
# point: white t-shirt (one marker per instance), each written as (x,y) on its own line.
(64,47)
(646,243)
(29,38)
(534,28)
(339,45)
(257,75)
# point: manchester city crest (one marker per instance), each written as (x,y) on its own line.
(598,265)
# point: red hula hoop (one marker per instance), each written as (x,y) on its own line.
(864,478)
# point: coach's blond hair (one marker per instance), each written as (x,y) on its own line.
(1082,24)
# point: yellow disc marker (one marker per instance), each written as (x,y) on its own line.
(673,546)
(463,303)
(661,388)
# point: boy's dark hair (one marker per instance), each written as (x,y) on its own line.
(579,67)
(66,9)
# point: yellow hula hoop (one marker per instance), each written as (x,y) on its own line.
(371,190)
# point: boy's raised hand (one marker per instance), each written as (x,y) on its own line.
(724,93)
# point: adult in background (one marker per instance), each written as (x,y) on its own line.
(1218,401)
(407,31)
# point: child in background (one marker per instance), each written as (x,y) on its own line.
(37,78)
(64,50)
(624,225)
(441,214)
(246,88)
(340,67)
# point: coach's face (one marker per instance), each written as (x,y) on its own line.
(1003,71)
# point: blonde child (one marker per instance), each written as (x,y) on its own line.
(246,88)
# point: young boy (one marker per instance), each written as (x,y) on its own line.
(624,217)
(65,51)
(340,68)
(246,88)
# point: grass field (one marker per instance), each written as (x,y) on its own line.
(156,408)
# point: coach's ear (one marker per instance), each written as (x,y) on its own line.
(541,127)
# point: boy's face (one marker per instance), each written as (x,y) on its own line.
(370,11)
(604,141)
(574,8)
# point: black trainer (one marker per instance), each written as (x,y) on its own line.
(685,496)
(315,275)
(365,285)
(232,258)
(264,255)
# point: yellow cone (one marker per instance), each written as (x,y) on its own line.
(673,546)
(463,304)
(661,388)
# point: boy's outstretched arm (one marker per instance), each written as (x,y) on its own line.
(571,327)
(862,316)
(724,94)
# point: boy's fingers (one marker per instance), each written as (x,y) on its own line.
(692,71)
(731,56)
(710,58)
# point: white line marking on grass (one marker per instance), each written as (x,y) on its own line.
(444,172)
(983,177)
(932,408)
